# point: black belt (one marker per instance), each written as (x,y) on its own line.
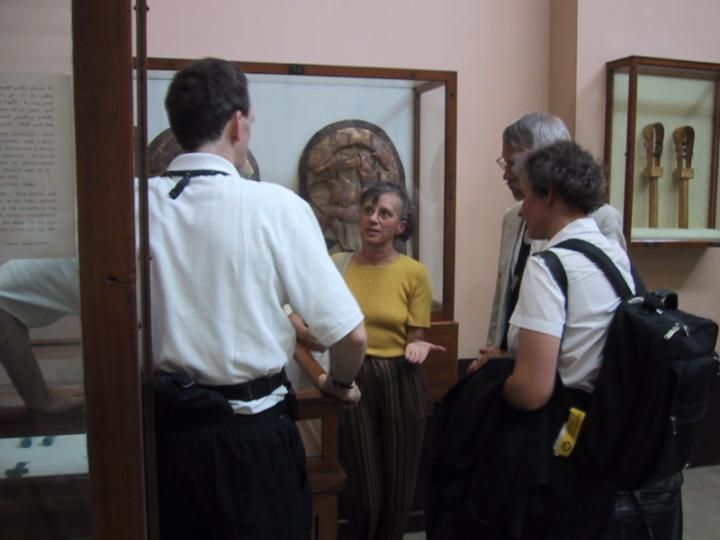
(250,390)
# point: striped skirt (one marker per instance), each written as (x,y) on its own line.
(380,444)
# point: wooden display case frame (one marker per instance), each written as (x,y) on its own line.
(423,81)
(116,499)
(634,67)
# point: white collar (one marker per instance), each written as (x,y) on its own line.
(202,161)
(579,228)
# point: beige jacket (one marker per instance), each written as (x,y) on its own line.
(609,222)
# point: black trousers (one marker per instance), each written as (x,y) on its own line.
(234,477)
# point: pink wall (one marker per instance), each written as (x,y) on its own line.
(499,49)
(563,60)
(614,29)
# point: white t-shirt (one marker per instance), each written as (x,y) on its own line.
(227,254)
(591,303)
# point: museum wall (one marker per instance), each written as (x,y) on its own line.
(499,49)
(563,60)
(511,57)
(662,28)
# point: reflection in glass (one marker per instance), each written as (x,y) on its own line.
(43,452)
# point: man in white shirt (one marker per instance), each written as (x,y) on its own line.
(226,255)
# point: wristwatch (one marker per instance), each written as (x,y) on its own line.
(341,384)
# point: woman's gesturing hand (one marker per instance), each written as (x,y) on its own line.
(416,351)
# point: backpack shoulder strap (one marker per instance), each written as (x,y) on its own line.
(556,269)
(602,261)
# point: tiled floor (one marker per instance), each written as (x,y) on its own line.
(701,505)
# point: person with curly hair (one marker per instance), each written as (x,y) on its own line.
(529,132)
(561,185)
(557,339)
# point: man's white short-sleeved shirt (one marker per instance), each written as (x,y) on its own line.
(226,255)
(591,303)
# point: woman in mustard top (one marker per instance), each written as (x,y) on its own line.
(381,438)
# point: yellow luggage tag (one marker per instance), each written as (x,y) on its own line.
(567,438)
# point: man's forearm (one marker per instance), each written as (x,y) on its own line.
(346,356)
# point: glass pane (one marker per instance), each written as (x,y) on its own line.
(616,174)
(431,176)
(673,174)
(327,138)
(681,108)
(43,456)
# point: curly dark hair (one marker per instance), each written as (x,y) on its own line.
(373,193)
(576,177)
(202,98)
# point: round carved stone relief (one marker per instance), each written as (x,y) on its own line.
(337,164)
(164,148)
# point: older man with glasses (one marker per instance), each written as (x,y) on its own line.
(528,133)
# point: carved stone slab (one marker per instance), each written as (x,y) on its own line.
(337,164)
(164,148)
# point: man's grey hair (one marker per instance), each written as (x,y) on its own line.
(535,130)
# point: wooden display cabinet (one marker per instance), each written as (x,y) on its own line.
(662,129)
(118,493)
(416,109)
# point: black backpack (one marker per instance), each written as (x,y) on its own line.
(654,386)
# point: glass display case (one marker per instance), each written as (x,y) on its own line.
(326,132)
(661,148)
(66,175)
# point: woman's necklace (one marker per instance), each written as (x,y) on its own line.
(362,259)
